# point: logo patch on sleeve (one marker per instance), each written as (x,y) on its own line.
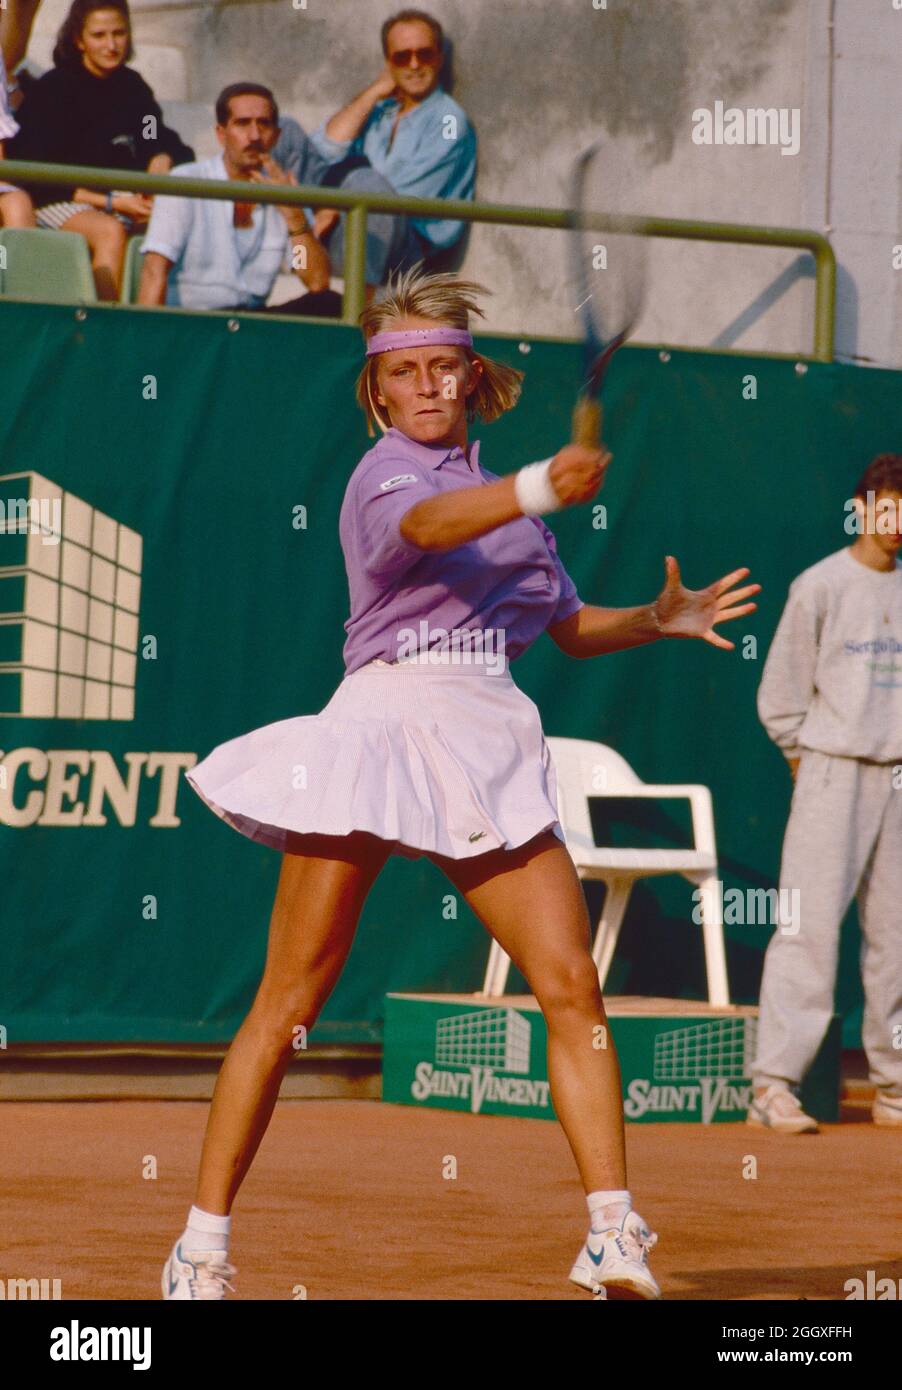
(400,478)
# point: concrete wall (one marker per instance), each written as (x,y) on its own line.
(854,169)
(540,81)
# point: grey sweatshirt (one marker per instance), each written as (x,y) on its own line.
(833,676)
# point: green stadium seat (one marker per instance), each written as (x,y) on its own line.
(50,267)
(131,271)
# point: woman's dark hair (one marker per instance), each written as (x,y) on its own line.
(66,53)
(883,474)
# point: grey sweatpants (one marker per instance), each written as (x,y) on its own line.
(391,243)
(843,840)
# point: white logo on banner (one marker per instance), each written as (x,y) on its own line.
(484,1043)
(710,1055)
(72,588)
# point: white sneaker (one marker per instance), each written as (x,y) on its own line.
(779,1108)
(613,1263)
(196,1274)
(887,1110)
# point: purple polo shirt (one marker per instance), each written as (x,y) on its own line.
(509,580)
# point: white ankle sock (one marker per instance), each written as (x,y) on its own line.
(608,1208)
(206,1231)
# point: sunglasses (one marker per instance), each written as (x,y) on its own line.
(403,57)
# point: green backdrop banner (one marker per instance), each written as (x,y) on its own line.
(203,462)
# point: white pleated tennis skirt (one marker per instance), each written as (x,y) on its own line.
(445,759)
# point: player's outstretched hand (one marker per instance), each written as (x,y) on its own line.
(695,612)
(576,473)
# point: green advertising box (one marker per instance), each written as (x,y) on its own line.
(680,1061)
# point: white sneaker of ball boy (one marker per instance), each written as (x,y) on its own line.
(778,1107)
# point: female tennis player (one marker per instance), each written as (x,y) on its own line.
(426,750)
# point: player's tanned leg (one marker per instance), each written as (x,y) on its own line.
(532,902)
(314,918)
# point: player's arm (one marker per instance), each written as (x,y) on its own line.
(592,631)
(452,518)
(676,612)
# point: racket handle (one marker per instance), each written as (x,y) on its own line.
(587,423)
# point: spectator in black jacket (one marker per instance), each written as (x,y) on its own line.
(92,109)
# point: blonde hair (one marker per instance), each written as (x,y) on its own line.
(449,301)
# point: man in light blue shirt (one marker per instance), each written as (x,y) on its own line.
(206,253)
(202,253)
(411,132)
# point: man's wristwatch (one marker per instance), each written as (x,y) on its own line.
(109,201)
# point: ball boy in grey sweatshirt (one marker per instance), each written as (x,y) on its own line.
(831,699)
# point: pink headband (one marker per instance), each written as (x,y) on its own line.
(418,337)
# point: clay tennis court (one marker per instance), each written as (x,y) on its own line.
(347,1199)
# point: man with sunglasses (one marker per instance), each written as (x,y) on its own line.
(410,131)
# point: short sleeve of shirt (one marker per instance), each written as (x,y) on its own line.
(169,227)
(569,601)
(383,495)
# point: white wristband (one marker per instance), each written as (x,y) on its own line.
(534,490)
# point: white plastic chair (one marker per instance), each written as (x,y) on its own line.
(585,769)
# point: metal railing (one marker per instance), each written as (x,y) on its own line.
(358,204)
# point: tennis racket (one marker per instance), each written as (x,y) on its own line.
(608,258)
